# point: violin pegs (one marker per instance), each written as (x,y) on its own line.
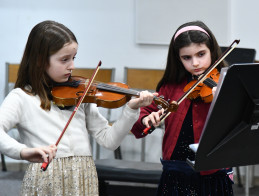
(159,107)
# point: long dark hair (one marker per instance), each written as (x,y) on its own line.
(175,71)
(44,40)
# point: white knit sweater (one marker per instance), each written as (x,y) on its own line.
(38,127)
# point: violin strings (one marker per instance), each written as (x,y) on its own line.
(117,89)
(113,88)
(104,86)
(210,82)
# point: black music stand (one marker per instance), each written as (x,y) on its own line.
(240,55)
(230,136)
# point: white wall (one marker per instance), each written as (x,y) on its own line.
(106,31)
(244,23)
(156,21)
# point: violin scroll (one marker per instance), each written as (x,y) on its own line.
(161,103)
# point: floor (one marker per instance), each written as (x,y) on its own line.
(10,183)
(240,191)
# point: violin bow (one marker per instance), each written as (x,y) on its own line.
(45,164)
(174,104)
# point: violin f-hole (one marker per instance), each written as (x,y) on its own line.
(79,93)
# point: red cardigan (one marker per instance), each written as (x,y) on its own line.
(173,123)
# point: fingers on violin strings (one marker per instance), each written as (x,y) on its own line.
(144,94)
(147,97)
(155,94)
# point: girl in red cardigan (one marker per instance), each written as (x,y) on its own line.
(192,50)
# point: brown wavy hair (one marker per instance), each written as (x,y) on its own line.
(44,40)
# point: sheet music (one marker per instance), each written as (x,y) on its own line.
(194,147)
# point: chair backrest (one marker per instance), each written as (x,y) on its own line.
(240,55)
(103,75)
(11,71)
(146,79)
(142,79)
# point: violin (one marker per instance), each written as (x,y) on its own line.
(110,95)
(194,88)
(107,95)
(204,89)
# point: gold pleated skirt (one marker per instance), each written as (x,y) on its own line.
(64,176)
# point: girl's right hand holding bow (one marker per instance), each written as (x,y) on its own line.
(153,118)
(40,154)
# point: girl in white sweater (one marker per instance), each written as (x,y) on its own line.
(48,59)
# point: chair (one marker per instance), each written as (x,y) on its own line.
(104,75)
(131,177)
(11,75)
(111,171)
(142,79)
